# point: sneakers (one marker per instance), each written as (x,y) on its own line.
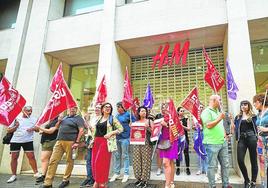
(138,183)
(198,172)
(12,179)
(64,184)
(40,179)
(218,176)
(115,176)
(85,182)
(252,184)
(178,171)
(158,172)
(188,171)
(125,178)
(143,184)
(246,185)
(37,175)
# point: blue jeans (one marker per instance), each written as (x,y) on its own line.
(122,150)
(88,163)
(217,152)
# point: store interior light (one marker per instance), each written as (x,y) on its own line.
(261,50)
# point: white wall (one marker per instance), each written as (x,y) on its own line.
(5,42)
(256,9)
(74,31)
(158,17)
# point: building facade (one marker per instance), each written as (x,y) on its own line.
(97,37)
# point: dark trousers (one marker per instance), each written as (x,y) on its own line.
(186,156)
(249,143)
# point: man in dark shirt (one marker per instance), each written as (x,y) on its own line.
(70,132)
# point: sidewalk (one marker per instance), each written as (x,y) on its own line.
(28,181)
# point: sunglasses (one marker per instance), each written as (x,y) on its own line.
(107,107)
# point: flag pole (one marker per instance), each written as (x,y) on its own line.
(215,91)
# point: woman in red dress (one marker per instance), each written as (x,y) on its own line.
(104,135)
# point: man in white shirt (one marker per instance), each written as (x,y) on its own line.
(23,131)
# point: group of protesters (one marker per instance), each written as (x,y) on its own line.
(108,135)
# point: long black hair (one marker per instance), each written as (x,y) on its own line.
(139,109)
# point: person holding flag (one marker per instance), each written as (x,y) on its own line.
(169,154)
(71,127)
(23,132)
(260,103)
(214,141)
(186,126)
(142,153)
(48,140)
(70,132)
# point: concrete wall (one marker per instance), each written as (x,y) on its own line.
(256,9)
(74,31)
(158,17)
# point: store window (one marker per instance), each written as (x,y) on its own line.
(177,81)
(8,13)
(260,62)
(83,87)
(74,7)
(3,64)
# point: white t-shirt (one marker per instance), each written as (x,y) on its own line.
(21,135)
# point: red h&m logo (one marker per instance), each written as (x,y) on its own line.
(162,58)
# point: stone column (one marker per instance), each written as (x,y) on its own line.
(111,55)
(13,67)
(240,60)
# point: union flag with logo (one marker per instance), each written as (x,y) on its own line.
(11,102)
(60,101)
(212,76)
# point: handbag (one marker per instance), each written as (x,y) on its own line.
(164,144)
(111,144)
(7,138)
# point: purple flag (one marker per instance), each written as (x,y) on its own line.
(231,85)
(198,145)
(148,101)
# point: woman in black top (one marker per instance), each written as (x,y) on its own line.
(246,135)
(104,143)
(48,140)
(186,126)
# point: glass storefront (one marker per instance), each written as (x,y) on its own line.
(3,64)
(177,81)
(83,87)
(73,7)
(260,62)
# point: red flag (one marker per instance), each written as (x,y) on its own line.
(192,104)
(60,101)
(136,105)
(102,91)
(212,76)
(175,127)
(127,98)
(58,77)
(11,102)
